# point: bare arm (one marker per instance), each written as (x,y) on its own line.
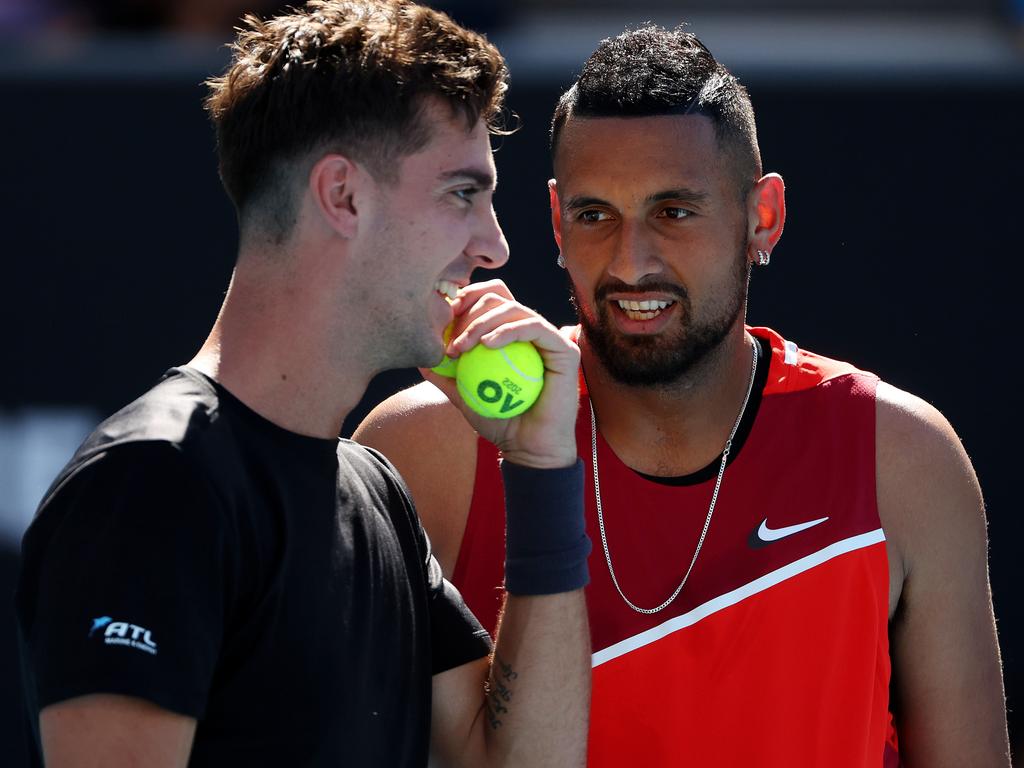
(116,731)
(529,704)
(536,709)
(948,691)
(434,449)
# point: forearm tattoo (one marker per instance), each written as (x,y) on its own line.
(499,691)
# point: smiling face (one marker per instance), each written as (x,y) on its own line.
(435,224)
(653,226)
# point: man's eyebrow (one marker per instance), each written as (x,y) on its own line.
(481,178)
(684,194)
(581,201)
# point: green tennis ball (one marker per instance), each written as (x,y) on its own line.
(447,366)
(501,383)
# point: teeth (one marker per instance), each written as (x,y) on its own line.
(447,289)
(643,306)
(642,310)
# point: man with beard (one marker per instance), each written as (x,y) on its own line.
(783,535)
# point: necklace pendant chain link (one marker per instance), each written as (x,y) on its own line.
(711,508)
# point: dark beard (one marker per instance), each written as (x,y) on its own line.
(653,361)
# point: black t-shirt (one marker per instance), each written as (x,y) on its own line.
(278,588)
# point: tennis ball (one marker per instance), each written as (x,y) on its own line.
(447,366)
(501,383)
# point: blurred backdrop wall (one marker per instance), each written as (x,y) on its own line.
(897,126)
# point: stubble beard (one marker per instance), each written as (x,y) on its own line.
(401,335)
(666,358)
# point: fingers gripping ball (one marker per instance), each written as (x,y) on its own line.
(501,383)
(447,366)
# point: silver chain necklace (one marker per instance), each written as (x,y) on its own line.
(711,508)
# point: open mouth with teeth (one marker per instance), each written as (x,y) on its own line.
(447,289)
(642,310)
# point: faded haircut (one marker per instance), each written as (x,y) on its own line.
(346,76)
(654,71)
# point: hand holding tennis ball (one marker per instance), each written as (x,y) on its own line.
(517,376)
(496,383)
(500,383)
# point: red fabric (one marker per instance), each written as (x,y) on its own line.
(793,674)
(480,568)
(752,685)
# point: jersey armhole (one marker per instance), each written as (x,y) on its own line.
(486,463)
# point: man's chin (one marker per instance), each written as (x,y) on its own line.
(639,360)
(645,345)
(653,360)
(646,373)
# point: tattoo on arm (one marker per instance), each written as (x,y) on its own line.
(499,691)
(505,669)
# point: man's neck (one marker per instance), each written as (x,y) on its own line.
(679,428)
(269,349)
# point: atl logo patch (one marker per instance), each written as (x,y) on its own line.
(124,633)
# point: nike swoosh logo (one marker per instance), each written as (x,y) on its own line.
(764,535)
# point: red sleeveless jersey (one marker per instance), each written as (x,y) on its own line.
(776,651)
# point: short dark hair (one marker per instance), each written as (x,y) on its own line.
(350,76)
(655,71)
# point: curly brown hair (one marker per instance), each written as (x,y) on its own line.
(348,76)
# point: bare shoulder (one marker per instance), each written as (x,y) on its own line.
(905,421)
(948,696)
(434,449)
(420,409)
(419,429)
(921,461)
(928,494)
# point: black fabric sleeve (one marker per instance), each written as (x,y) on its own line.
(123,583)
(455,633)
(456,636)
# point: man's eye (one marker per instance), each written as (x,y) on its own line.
(591,217)
(675,213)
(466,193)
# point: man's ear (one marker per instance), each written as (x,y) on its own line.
(336,186)
(766,214)
(556,212)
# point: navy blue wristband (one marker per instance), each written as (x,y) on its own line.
(546,542)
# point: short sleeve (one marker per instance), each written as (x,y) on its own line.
(456,635)
(123,583)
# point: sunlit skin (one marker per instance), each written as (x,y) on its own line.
(636,223)
(437,223)
(652,209)
(352,291)
(649,209)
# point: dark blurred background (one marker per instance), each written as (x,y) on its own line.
(896,124)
